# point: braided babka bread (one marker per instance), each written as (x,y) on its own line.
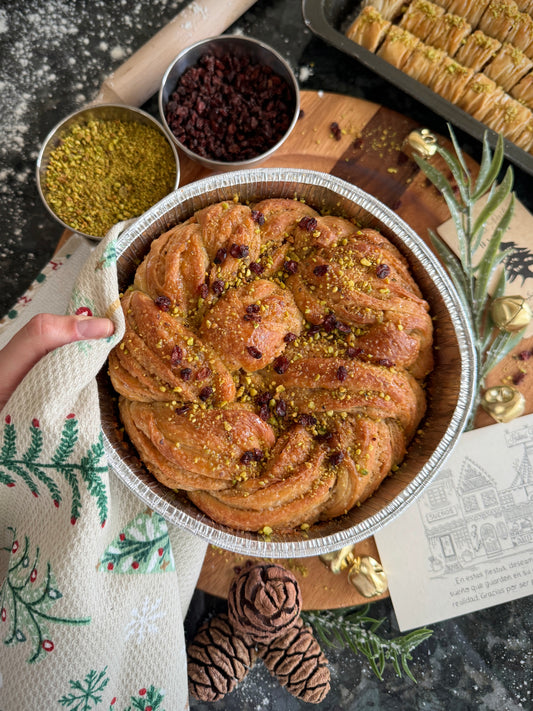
(272,363)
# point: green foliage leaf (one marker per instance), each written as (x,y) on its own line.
(497,198)
(489,168)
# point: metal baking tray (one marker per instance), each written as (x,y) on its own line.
(329,19)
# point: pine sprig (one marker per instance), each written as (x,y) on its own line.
(354,629)
(472,276)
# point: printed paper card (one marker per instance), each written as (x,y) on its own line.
(466,543)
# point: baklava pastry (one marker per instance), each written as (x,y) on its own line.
(507,116)
(451,79)
(448,33)
(479,96)
(285,392)
(499,18)
(508,67)
(368,29)
(523,91)
(398,46)
(389,9)
(521,34)
(524,139)
(421,18)
(424,62)
(471,10)
(477,50)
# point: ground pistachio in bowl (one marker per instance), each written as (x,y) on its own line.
(103,165)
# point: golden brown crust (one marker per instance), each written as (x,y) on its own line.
(272,362)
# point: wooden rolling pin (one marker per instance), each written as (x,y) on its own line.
(135,81)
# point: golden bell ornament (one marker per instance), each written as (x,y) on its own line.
(503,402)
(368,576)
(511,313)
(421,141)
(339,560)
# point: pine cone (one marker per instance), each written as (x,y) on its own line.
(298,663)
(264,601)
(218,659)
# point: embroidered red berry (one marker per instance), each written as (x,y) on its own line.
(47,645)
(33,575)
(122,537)
(35,422)
(135,565)
(15,547)
(142,692)
(56,503)
(8,419)
(71,416)
(160,551)
(83,311)
(3,614)
(110,566)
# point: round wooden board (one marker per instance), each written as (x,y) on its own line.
(369,154)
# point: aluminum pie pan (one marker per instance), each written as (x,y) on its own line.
(326,19)
(450,389)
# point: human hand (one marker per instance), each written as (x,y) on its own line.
(42,334)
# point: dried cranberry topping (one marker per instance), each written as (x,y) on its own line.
(336,458)
(203,373)
(183,410)
(314,328)
(386,362)
(176,355)
(205,393)
(204,290)
(352,352)
(324,437)
(239,251)
(185,373)
(342,373)
(308,223)
(247,457)
(252,317)
(281,408)
(306,420)
(336,131)
(263,398)
(264,413)
(321,270)
(257,216)
(343,327)
(163,303)
(290,266)
(382,271)
(253,309)
(254,352)
(221,255)
(290,337)
(518,377)
(218,287)
(524,355)
(329,323)
(281,364)
(256,268)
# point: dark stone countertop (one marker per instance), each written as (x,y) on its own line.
(54,56)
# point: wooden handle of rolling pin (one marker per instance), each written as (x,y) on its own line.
(135,81)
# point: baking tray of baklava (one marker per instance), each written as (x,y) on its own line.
(470,61)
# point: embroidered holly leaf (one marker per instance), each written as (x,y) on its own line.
(85,693)
(142,547)
(27,595)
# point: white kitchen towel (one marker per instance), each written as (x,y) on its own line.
(94,585)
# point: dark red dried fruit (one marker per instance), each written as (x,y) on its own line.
(203,373)
(336,458)
(336,131)
(290,337)
(252,317)
(386,362)
(324,437)
(518,377)
(290,266)
(524,355)
(183,410)
(264,413)
(382,271)
(253,309)
(205,393)
(308,223)
(263,398)
(321,270)
(176,355)
(343,327)
(163,303)
(281,364)
(218,287)
(306,420)
(258,454)
(239,251)
(256,268)
(358,143)
(329,323)
(314,328)
(247,457)
(185,373)
(258,217)
(221,255)
(281,408)
(342,373)
(254,352)
(204,290)
(230,108)
(352,352)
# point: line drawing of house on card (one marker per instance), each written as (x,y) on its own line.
(471,517)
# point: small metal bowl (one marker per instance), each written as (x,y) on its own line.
(106,112)
(241,47)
